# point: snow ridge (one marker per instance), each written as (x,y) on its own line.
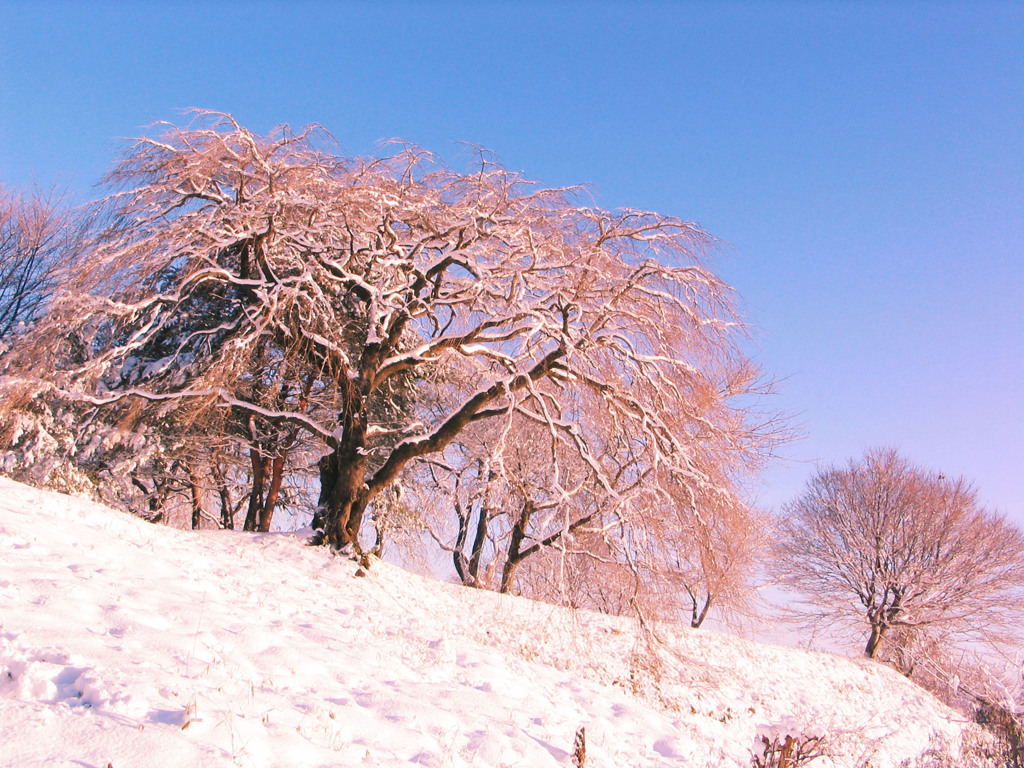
(132,644)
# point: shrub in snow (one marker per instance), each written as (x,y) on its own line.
(38,444)
(51,442)
(977,749)
(776,747)
(1007,730)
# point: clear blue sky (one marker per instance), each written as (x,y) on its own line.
(863,162)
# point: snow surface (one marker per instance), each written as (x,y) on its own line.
(128,644)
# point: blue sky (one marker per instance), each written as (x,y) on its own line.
(863,163)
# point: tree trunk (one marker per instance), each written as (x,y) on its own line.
(345,489)
(342,496)
(515,556)
(508,574)
(882,618)
(197,497)
(480,534)
(698,611)
(227,507)
(516,553)
(478,546)
(468,568)
(459,551)
(270,502)
(875,640)
(259,468)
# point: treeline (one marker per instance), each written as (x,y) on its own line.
(411,356)
(413,359)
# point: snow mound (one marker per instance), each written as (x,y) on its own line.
(130,644)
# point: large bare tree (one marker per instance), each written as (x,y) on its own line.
(381,307)
(903,553)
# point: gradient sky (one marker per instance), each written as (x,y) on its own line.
(863,163)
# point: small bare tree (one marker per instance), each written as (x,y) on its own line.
(711,555)
(905,553)
(39,235)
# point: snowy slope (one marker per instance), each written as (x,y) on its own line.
(130,644)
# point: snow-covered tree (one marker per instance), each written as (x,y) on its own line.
(905,553)
(382,307)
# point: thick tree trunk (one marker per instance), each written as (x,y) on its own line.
(345,488)
(875,640)
(882,618)
(508,575)
(342,496)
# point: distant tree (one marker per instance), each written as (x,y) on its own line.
(382,307)
(906,553)
(39,236)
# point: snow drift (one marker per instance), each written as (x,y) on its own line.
(130,644)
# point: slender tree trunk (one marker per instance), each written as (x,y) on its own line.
(698,608)
(515,555)
(227,507)
(259,465)
(468,569)
(380,529)
(197,496)
(478,545)
(267,510)
(698,617)
(481,526)
(459,551)
(319,523)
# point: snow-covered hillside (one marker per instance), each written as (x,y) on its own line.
(128,644)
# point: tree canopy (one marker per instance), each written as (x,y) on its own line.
(900,550)
(371,313)
(39,237)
